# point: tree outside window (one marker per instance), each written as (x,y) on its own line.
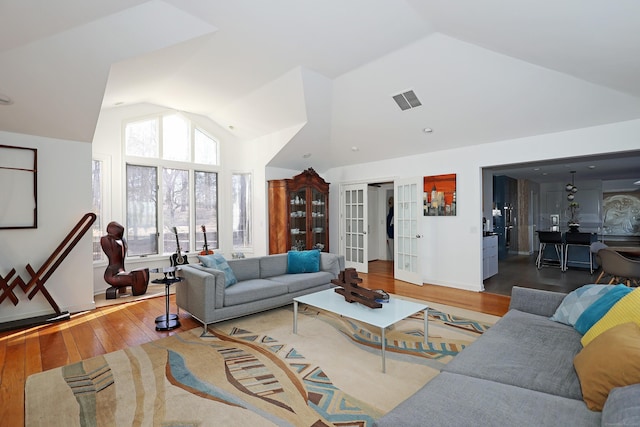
(241,195)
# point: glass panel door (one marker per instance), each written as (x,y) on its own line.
(355,239)
(406,210)
(319,220)
(298,220)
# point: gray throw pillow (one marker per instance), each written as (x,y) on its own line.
(576,302)
(622,407)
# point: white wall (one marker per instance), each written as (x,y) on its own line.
(450,242)
(64,196)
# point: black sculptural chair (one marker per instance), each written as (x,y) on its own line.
(114,246)
(550,238)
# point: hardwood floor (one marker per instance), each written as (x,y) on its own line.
(27,351)
(381,277)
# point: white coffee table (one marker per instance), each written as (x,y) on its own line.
(390,313)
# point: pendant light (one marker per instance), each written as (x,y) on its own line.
(571,188)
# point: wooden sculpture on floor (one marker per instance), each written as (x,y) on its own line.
(348,280)
(114,246)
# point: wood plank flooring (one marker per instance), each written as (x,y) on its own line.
(27,351)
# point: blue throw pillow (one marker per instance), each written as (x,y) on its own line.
(218,262)
(303,261)
(577,301)
(208,261)
(599,308)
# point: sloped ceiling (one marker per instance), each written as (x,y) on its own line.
(484,70)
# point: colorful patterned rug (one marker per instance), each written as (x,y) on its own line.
(243,375)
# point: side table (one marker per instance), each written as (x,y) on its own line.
(167,321)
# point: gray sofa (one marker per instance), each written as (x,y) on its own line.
(518,373)
(263,284)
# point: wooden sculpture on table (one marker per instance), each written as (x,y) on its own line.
(114,246)
(348,281)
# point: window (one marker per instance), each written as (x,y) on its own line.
(172,186)
(141,138)
(206,203)
(96,187)
(241,195)
(100,179)
(142,210)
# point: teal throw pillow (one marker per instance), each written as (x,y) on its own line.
(303,261)
(218,262)
(599,308)
(208,261)
(577,301)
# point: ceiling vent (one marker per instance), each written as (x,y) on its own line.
(407,100)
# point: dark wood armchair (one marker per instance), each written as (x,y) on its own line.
(114,246)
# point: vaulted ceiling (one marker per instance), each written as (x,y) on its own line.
(483,71)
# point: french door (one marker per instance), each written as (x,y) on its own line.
(407,212)
(354,226)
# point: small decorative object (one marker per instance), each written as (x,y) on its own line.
(385,296)
(348,280)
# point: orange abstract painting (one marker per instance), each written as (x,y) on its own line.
(440,195)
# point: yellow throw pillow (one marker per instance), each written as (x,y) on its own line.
(625,310)
(610,361)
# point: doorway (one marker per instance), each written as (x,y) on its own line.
(373,217)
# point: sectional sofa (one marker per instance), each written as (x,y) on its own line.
(521,373)
(257,284)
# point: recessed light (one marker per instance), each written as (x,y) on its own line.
(354,148)
(591,166)
(306,155)
(427,130)
(637,182)
(5,100)
(536,169)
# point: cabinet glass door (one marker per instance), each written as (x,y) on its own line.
(298,220)
(318,220)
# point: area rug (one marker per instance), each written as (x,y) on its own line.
(253,371)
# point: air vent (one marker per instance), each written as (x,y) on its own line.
(407,100)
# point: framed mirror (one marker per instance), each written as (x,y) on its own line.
(18,187)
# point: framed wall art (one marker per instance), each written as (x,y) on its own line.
(621,214)
(18,187)
(440,195)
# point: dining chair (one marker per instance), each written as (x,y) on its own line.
(550,238)
(594,248)
(622,269)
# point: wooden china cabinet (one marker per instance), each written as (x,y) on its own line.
(299,213)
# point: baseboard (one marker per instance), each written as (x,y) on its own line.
(34,321)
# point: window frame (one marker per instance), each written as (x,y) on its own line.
(160,164)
